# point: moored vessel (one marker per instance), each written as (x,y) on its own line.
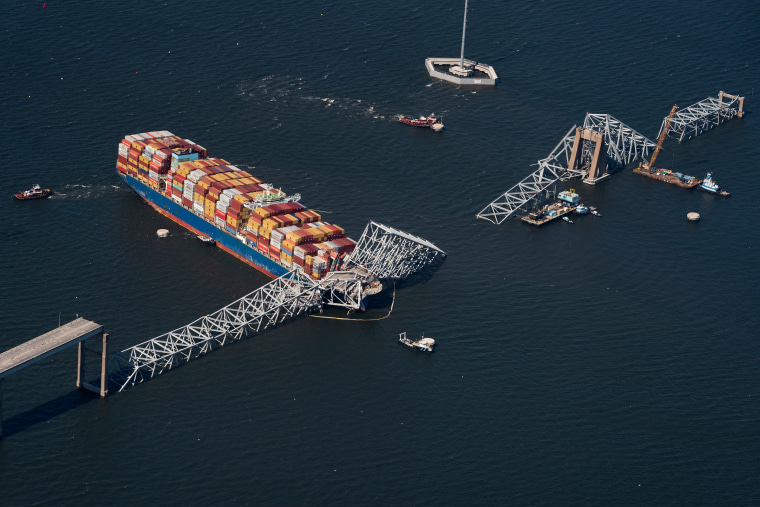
(250,219)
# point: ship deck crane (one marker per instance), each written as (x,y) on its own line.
(663,134)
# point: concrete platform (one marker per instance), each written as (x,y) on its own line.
(49,343)
(486,74)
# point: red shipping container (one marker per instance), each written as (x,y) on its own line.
(188,203)
(221,214)
(274,252)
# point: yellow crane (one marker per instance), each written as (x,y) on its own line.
(662,138)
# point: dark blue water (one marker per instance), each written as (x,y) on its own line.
(609,362)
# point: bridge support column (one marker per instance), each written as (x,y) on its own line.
(82,367)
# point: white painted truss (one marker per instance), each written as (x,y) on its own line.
(701,117)
(385,253)
(392,254)
(623,145)
(279,300)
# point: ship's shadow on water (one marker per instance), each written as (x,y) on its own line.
(46,412)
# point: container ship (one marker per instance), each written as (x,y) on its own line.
(250,219)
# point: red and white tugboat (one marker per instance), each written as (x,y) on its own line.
(33,193)
(423,121)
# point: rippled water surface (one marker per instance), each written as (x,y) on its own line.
(607,362)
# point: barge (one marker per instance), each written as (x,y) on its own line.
(671,177)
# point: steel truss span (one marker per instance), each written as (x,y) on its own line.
(391,254)
(279,300)
(703,116)
(623,146)
(384,252)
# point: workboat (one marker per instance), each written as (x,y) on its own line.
(36,192)
(206,239)
(421,345)
(581,209)
(710,185)
(423,121)
(566,219)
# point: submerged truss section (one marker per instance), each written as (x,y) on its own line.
(703,116)
(622,144)
(279,300)
(389,254)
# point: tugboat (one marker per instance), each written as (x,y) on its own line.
(36,192)
(709,185)
(421,345)
(423,121)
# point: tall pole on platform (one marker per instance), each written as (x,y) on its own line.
(464,28)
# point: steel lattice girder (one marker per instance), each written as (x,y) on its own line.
(549,171)
(623,146)
(700,117)
(279,300)
(392,254)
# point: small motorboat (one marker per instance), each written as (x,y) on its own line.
(596,213)
(423,121)
(581,209)
(206,239)
(36,192)
(566,219)
(421,345)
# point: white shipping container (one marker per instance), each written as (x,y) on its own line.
(220,223)
(177,199)
(221,206)
(196,175)
(198,207)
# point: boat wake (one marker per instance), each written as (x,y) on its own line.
(79,191)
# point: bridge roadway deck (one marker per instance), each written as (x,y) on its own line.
(49,343)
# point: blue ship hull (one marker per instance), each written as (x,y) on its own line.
(192,222)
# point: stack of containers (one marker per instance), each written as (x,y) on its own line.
(303,255)
(122,159)
(275,244)
(318,268)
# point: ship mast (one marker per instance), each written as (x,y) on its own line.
(464,28)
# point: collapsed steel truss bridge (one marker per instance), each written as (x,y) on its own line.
(575,156)
(381,253)
(703,116)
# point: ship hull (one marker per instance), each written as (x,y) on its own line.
(192,222)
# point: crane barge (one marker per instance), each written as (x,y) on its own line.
(672,177)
